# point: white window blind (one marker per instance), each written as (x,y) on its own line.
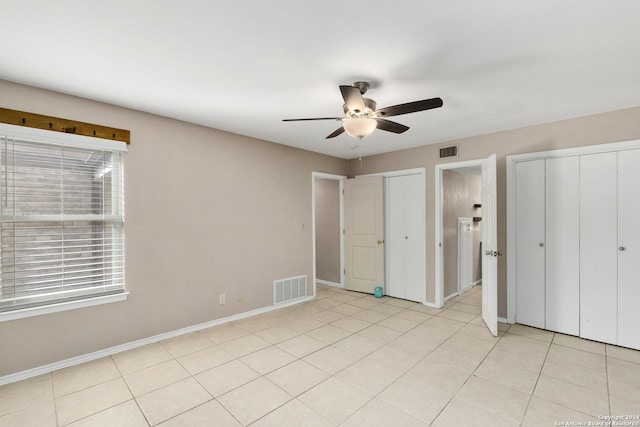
(61,220)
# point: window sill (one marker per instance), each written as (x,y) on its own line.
(63,306)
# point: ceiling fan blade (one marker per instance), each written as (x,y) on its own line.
(410,107)
(336,132)
(315,118)
(390,126)
(352,98)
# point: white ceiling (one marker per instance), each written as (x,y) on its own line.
(242,66)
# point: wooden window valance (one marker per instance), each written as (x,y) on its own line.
(38,121)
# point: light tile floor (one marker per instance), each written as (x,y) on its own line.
(345,359)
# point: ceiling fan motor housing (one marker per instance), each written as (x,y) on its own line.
(362,86)
(370,107)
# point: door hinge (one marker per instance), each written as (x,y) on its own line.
(343,232)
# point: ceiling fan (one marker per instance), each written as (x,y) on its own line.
(361,117)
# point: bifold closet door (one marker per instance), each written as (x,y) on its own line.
(563,245)
(628,248)
(598,247)
(405,222)
(530,241)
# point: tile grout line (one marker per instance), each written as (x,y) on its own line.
(606,368)
(130,391)
(53,398)
(537,380)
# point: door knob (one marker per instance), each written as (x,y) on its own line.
(541,244)
(379,242)
(622,248)
(493,253)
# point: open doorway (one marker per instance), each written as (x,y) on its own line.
(327,224)
(489,251)
(461,229)
(458,198)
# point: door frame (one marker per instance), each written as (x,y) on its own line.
(439,217)
(341,179)
(390,174)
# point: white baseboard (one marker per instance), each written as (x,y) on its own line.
(45,369)
(503,320)
(328,283)
(431,304)
(477,282)
(453,295)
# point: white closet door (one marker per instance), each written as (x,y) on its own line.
(414,238)
(563,245)
(628,248)
(598,247)
(405,233)
(530,235)
(394,245)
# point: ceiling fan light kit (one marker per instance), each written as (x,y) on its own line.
(362,118)
(359,127)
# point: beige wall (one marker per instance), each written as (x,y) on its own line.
(327,195)
(615,126)
(460,193)
(207,212)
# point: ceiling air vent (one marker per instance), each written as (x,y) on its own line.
(449,152)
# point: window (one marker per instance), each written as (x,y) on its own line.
(61,220)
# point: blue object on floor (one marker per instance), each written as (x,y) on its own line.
(378,291)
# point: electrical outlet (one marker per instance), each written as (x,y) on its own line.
(222,299)
(240,296)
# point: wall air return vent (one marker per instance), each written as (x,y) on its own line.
(290,289)
(449,152)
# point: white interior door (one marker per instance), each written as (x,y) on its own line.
(364,233)
(490,246)
(404,200)
(628,248)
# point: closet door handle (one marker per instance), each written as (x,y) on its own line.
(541,244)
(622,249)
